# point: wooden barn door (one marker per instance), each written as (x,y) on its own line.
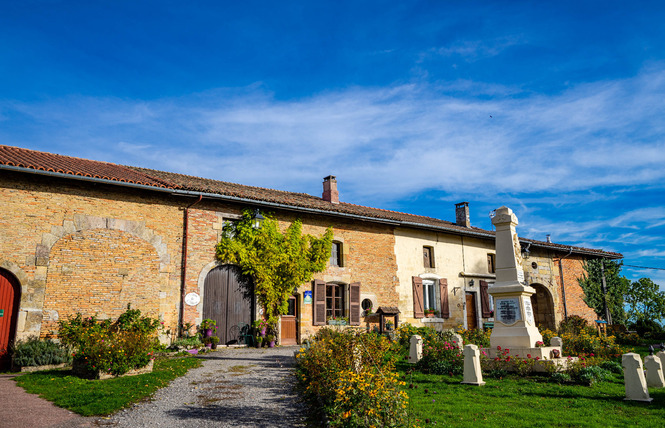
(10,295)
(227,301)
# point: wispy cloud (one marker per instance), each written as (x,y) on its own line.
(379,141)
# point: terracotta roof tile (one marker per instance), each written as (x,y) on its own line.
(31,159)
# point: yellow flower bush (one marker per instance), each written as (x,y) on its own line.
(353,374)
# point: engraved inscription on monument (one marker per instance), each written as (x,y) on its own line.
(528,311)
(508,310)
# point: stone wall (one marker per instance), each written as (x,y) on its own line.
(77,246)
(368,258)
(573,269)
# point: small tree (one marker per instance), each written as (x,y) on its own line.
(616,288)
(645,302)
(276,262)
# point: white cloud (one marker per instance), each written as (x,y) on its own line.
(392,141)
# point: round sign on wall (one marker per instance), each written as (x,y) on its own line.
(192,299)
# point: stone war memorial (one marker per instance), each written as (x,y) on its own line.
(515,332)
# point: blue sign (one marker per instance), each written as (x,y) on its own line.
(307,298)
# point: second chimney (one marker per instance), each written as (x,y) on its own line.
(330,192)
(462,214)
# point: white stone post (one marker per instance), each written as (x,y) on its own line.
(473,375)
(654,372)
(633,375)
(661,356)
(556,341)
(416,350)
(458,341)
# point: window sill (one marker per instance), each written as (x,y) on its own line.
(431,320)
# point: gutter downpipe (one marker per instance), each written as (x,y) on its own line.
(563,285)
(183,273)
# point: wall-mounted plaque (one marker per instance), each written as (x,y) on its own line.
(307,299)
(508,310)
(528,311)
(192,299)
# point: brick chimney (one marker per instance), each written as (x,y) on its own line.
(330,192)
(462,214)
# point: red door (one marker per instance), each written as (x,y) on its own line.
(10,293)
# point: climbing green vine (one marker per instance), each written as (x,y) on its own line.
(276,262)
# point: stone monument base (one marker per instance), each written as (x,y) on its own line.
(543,353)
(545,356)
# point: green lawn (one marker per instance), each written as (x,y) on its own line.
(513,402)
(103,397)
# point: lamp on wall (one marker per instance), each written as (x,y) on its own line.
(471,282)
(258,219)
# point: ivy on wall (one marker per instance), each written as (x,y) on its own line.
(277,262)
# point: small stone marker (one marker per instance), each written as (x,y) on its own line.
(654,372)
(416,351)
(472,373)
(458,341)
(556,341)
(661,356)
(636,385)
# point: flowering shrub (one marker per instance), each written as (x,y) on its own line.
(352,373)
(547,336)
(590,343)
(441,357)
(109,347)
(475,336)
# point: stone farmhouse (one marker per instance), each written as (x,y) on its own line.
(91,237)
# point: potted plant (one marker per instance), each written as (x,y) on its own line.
(270,338)
(389,325)
(260,326)
(259,341)
(431,313)
(211,342)
(207,327)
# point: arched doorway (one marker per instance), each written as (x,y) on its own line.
(229,300)
(10,298)
(543,307)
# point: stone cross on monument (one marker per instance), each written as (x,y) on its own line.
(514,325)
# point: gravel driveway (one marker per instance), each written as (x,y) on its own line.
(236,387)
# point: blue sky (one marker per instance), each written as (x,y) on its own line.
(554,109)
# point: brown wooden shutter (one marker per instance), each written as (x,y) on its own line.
(319,306)
(443,291)
(485,300)
(418,307)
(354,303)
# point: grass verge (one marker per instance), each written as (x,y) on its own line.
(525,402)
(103,397)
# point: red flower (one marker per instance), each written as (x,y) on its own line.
(528,355)
(498,348)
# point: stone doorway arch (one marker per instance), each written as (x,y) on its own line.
(543,307)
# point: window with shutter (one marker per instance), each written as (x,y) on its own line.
(336,254)
(354,303)
(443,291)
(319,306)
(418,306)
(485,305)
(490,264)
(428,257)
